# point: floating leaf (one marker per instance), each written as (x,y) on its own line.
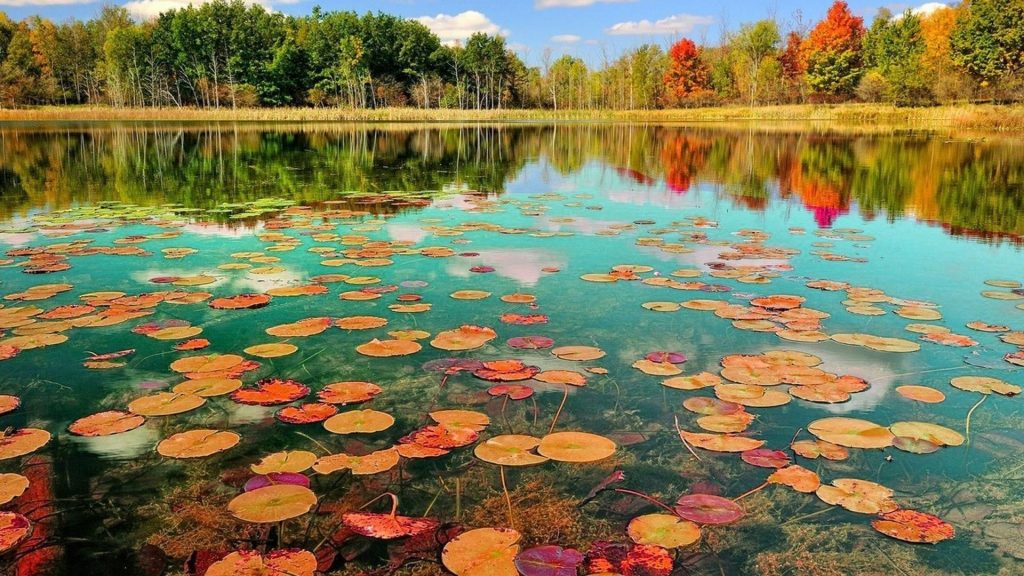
(510,450)
(921,394)
(14,528)
(12,486)
(344,393)
(576,447)
(272,503)
(548,560)
(857,496)
(373,463)
(359,422)
(465,337)
(277,563)
(387,348)
(913,526)
(664,530)
(985,385)
(197,443)
(796,477)
(286,461)
(309,413)
(851,432)
(482,552)
(240,302)
(165,404)
(708,509)
(106,423)
(272,350)
(271,392)
(387,526)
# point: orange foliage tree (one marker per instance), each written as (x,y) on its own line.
(687,78)
(832,51)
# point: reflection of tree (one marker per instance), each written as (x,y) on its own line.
(966,186)
(207,166)
(683,155)
(984,197)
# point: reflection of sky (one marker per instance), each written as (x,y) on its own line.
(520,264)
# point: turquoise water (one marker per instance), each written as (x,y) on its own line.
(573,198)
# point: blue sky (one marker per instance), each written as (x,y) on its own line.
(586,28)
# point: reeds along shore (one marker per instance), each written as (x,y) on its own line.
(973,116)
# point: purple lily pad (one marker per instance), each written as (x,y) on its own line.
(274,478)
(469,254)
(530,342)
(670,357)
(548,560)
(708,509)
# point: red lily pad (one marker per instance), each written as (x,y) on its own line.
(766,458)
(708,509)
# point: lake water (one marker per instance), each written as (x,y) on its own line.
(631,241)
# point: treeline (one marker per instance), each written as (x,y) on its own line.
(229,54)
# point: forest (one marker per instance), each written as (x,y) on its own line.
(228,54)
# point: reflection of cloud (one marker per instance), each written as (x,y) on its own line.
(457,202)
(579,224)
(875,367)
(406,232)
(520,264)
(17,239)
(653,196)
(124,446)
(220,230)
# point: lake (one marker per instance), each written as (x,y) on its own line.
(555,349)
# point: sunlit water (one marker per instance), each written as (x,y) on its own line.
(921,217)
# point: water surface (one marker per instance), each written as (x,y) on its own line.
(924,219)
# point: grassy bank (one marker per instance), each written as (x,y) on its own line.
(982,117)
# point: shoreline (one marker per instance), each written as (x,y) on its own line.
(998,118)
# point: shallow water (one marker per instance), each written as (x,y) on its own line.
(921,217)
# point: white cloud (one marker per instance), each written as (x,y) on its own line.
(565,39)
(928,8)
(452,29)
(678,24)
(542,4)
(147,9)
(18,3)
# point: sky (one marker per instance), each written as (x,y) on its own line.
(588,29)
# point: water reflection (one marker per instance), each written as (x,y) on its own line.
(972,187)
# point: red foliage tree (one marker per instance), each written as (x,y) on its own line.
(688,76)
(792,58)
(839,31)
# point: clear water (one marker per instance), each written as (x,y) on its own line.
(933,217)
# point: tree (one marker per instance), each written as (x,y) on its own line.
(832,52)
(567,78)
(988,42)
(893,47)
(947,80)
(687,78)
(756,63)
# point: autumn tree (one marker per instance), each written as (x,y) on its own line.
(988,42)
(947,80)
(893,48)
(687,78)
(756,66)
(832,52)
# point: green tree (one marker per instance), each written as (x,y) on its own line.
(832,52)
(988,42)
(893,47)
(756,64)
